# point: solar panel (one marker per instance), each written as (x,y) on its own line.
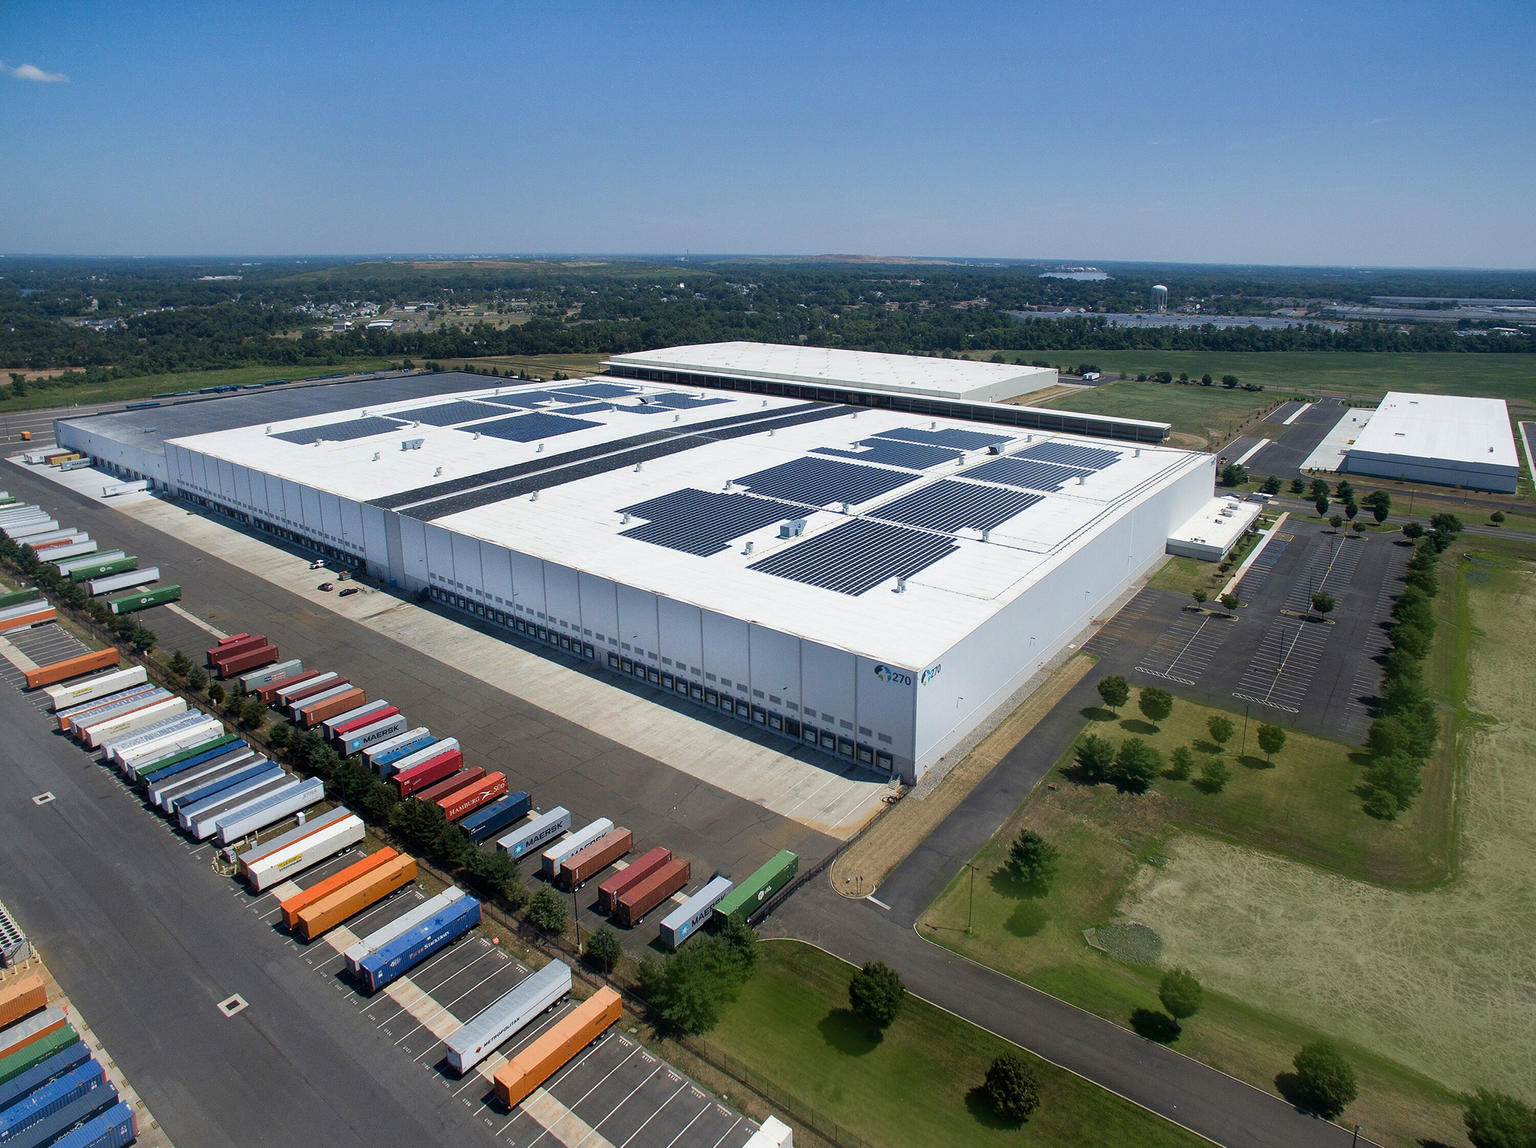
(893,452)
(642,408)
(949,436)
(1070,454)
(340,432)
(586,409)
(823,481)
(677,402)
(527,428)
(703,522)
(950,506)
(446,414)
(525,398)
(857,556)
(598,390)
(1027,473)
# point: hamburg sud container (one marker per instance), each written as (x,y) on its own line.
(608,892)
(549,862)
(680,924)
(468,798)
(415,946)
(487,821)
(506,1016)
(545,827)
(394,930)
(293,852)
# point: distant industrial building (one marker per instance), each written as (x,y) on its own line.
(1449,440)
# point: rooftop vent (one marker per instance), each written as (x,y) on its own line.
(748,548)
(411,443)
(624,521)
(437,472)
(375,456)
(534,497)
(539,449)
(901,584)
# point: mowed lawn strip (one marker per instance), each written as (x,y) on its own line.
(792,1026)
(1204,411)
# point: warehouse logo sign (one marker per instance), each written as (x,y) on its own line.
(931,672)
(896,677)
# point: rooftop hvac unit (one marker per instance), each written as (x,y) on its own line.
(995,448)
(535,497)
(901,584)
(375,456)
(477,436)
(538,449)
(986,536)
(748,549)
(960,461)
(624,521)
(412,443)
(1082,480)
(1137,454)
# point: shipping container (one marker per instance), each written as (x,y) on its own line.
(287,855)
(646,864)
(98,709)
(68,549)
(171,742)
(164,791)
(210,785)
(234,644)
(394,930)
(230,640)
(54,1096)
(399,956)
(246,660)
(385,729)
(549,862)
(75,693)
(35,1053)
(358,715)
(631,906)
(115,582)
(333,685)
(403,740)
(22,531)
(98,567)
(298,795)
(94,735)
(198,818)
(114,1128)
(579,868)
(448,784)
(352,899)
(554,1049)
(26,609)
(49,1068)
(317,710)
(471,797)
(113,489)
(434,768)
(291,906)
(75,464)
(113,747)
(49,1129)
(744,900)
(254,680)
(680,924)
(483,824)
(67,567)
(541,830)
(56,538)
(154,771)
(54,458)
(22,998)
(425,753)
(35,618)
(506,1016)
(387,764)
(18,1035)
(276,693)
(132,603)
(17,597)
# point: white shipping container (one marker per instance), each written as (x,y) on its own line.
(72,550)
(162,795)
(147,734)
(130,580)
(373,752)
(293,859)
(506,1016)
(330,725)
(527,837)
(95,559)
(21,610)
(307,827)
(411,761)
(116,488)
(66,533)
(325,695)
(280,698)
(199,817)
(71,717)
(267,674)
(401,925)
(300,793)
(25,530)
(174,742)
(94,735)
(577,841)
(76,693)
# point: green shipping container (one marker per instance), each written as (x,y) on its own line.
(744,900)
(166,762)
(128,603)
(35,1053)
(102,569)
(17,597)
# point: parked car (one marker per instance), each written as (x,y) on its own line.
(351,590)
(327,585)
(317,564)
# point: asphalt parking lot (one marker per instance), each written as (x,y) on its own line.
(1285,454)
(1184,650)
(45,645)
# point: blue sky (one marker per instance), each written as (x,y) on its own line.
(1396,133)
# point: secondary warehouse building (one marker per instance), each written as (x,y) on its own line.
(858,578)
(1450,440)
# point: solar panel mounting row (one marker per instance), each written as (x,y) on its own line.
(949,506)
(817,481)
(857,556)
(703,522)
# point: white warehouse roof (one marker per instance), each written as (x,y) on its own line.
(902,374)
(1443,428)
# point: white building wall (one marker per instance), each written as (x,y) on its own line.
(1440,472)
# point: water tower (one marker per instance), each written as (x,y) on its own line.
(1159,298)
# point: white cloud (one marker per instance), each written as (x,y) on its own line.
(34,73)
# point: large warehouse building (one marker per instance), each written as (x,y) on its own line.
(1449,440)
(857,578)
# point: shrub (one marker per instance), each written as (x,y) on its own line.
(546,911)
(602,950)
(875,993)
(1180,993)
(1220,728)
(1324,1080)
(1135,766)
(1095,756)
(1181,763)
(1011,1088)
(1214,775)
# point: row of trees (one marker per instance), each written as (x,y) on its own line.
(23,560)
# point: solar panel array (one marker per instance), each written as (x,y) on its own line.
(598,390)
(524,398)
(446,414)
(340,432)
(950,506)
(955,437)
(1070,454)
(1027,473)
(894,452)
(823,481)
(857,556)
(642,408)
(585,409)
(703,522)
(679,402)
(530,427)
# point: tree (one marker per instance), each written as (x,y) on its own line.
(1135,766)
(197,677)
(1448,523)
(602,950)
(1011,1088)
(1497,518)
(1335,520)
(1413,530)
(251,711)
(1199,594)
(1214,774)
(1032,859)
(1323,602)
(216,694)
(1357,527)
(1181,763)
(1271,485)
(1271,739)
(1229,381)
(1115,691)
(1095,757)
(547,911)
(1380,503)
(1345,491)
(1231,601)
(1322,507)
(1220,728)
(1325,1083)
(1156,704)
(179,664)
(875,994)
(1180,993)
(1497,1120)
(143,639)
(1233,475)
(1298,486)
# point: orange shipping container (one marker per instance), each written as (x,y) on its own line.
(468,798)
(552,1051)
(290,908)
(25,996)
(334,908)
(329,708)
(71,668)
(46,1024)
(45,614)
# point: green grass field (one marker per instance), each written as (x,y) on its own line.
(1212,414)
(792,1027)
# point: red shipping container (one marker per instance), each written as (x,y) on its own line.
(449,784)
(638,900)
(341,731)
(433,769)
(235,646)
(294,701)
(313,715)
(575,871)
(246,660)
(609,890)
(469,798)
(268,692)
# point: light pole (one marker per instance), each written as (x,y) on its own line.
(1356,1140)
(970,903)
(1244,750)
(576,918)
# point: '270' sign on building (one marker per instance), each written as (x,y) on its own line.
(901,678)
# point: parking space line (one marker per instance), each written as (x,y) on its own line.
(653,1115)
(728,1131)
(697,1116)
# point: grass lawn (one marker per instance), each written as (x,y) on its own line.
(1211,413)
(543,366)
(792,1026)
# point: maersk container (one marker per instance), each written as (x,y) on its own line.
(680,924)
(153,771)
(376,940)
(128,581)
(744,900)
(132,603)
(579,868)
(193,815)
(49,1098)
(507,1016)
(483,824)
(358,715)
(98,686)
(279,693)
(14,1064)
(631,906)
(545,827)
(172,740)
(102,731)
(610,890)
(426,753)
(342,730)
(264,866)
(372,754)
(69,566)
(400,956)
(216,783)
(51,1127)
(166,789)
(97,709)
(435,768)
(374,733)
(49,1068)
(114,1128)
(575,843)
(97,567)
(247,660)
(299,794)
(254,680)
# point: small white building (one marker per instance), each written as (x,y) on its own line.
(1449,440)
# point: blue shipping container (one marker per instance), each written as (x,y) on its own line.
(55,1124)
(114,1128)
(52,1097)
(483,824)
(181,766)
(383,965)
(41,1073)
(382,764)
(213,789)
